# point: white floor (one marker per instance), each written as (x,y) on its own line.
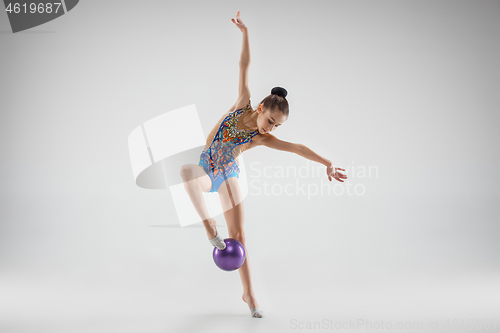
(151,298)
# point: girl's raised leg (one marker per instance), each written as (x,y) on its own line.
(197,181)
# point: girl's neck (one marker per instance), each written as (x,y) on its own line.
(250,120)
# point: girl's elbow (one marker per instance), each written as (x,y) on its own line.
(298,148)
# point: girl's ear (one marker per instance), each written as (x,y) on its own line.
(260,108)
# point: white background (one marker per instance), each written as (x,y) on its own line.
(407,87)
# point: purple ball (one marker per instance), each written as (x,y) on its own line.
(232,257)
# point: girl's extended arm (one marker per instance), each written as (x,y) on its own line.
(311,155)
(245,49)
(272,142)
(243,90)
(244,66)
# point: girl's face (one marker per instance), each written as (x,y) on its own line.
(268,120)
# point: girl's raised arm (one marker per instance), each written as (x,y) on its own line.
(243,89)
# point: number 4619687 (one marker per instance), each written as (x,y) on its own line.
(33,8)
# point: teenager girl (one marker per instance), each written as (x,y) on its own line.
(240,129)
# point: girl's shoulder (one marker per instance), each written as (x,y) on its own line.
(258,140)
(239,105)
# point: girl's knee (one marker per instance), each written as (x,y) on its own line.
(239,236)
(186,172)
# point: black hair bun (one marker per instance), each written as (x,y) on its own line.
(279,91)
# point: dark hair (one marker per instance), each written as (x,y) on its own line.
(277,100)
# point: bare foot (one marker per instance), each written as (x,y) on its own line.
(252,302)
(210,226)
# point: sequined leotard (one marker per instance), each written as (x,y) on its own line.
(218,159)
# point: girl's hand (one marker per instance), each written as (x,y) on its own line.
(239,23)
(332,172)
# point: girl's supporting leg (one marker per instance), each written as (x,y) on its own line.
(197,181)
(232,204)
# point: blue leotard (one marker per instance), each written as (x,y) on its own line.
(218,160)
